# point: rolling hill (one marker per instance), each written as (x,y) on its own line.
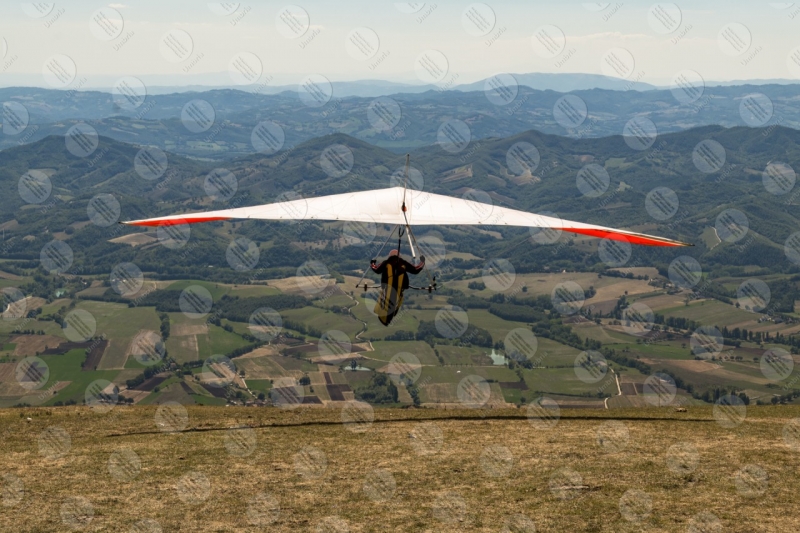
(399,122)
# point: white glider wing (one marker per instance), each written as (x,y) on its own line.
(385,206)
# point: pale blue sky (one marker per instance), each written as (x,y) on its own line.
(771,32)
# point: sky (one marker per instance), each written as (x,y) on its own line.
(84,44)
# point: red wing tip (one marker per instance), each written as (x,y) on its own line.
(633,238)
(171,222)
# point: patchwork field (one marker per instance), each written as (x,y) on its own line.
(341,309)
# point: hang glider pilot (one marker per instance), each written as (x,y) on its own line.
(394,281)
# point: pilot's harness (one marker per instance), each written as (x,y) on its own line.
(402,229)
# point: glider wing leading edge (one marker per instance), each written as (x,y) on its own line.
(385,206)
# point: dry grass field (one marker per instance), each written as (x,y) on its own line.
(138,469)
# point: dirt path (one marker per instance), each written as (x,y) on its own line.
(619,389)
(365,326)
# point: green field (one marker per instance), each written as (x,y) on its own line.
(323,320)
(67,367)
(385,350)
(711,313)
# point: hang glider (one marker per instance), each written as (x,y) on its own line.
(405,207)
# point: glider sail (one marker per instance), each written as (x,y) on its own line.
(384,206)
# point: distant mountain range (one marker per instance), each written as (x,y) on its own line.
(401,122)
(562,82)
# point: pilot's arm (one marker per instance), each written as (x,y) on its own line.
(378,269)
(415,269)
